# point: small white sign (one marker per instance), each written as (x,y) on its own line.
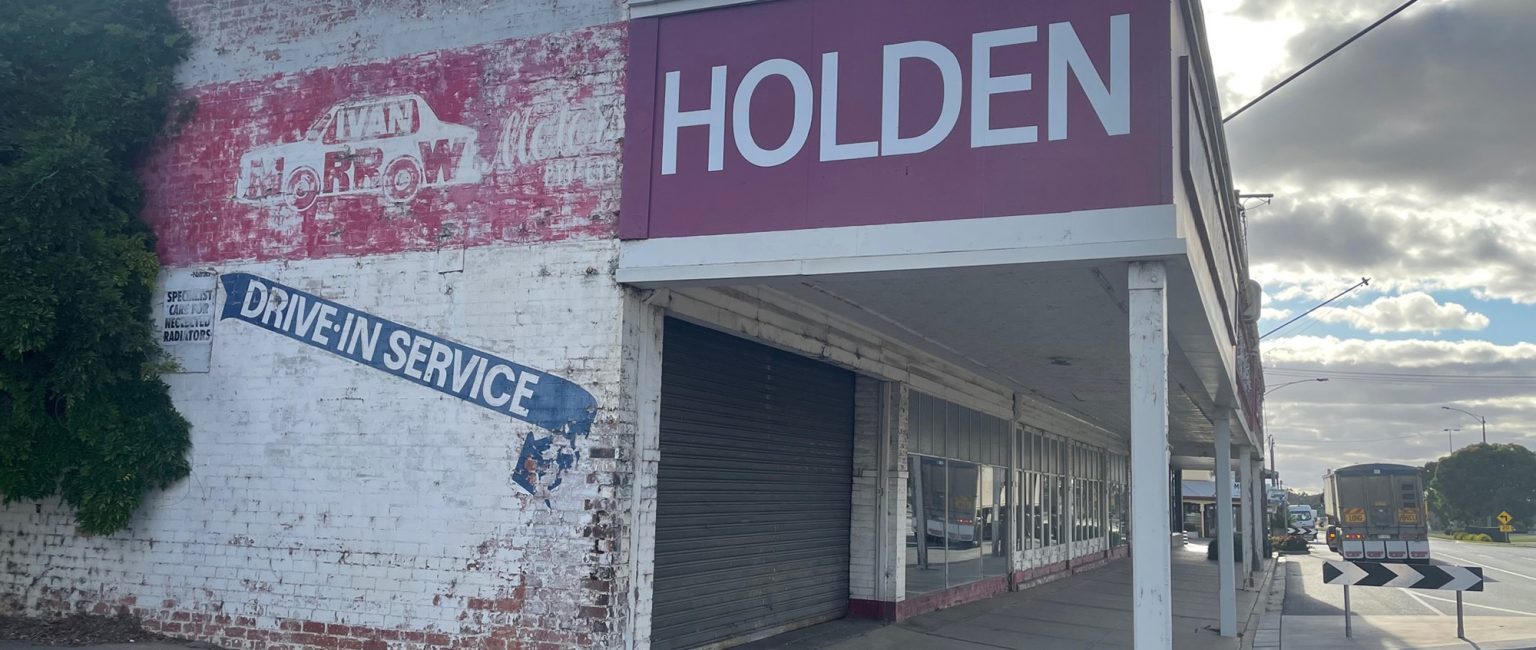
(184,316)
(1277,495)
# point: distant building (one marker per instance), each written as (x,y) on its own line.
(1199,500)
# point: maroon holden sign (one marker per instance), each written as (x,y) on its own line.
(815,113)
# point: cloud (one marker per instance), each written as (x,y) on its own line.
(1317,246)
(1468,356)
(1413,312)
(1269,311)
(1275,313)
(1438,101)
(1356,11)
(1382,400)
(1406,157)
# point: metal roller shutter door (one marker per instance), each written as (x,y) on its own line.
(754,489)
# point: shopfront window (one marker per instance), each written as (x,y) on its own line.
(927,496)
(964,535)
(957,495)
(995,511)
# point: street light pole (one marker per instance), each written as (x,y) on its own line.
(1293,383)
(1481,420)
(1274,478)
(1450,447)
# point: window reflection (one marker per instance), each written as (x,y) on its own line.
(995,521)
(973,496)
(925,510)
(963,536)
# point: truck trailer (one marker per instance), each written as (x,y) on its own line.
(1377,512)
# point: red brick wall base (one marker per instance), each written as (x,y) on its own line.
(898,611)
(492,625)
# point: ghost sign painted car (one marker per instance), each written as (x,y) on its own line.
(389,146)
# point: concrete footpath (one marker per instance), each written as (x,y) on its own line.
(1091,610)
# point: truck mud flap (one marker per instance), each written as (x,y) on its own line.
(1418,550)
(1375,550)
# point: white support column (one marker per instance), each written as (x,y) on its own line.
(1227,592)
(1069,503)
(1151,547)
(1245,480)
(1260,522)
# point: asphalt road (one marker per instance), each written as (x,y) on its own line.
(1510,589)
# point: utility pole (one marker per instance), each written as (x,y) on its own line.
(1274,476)
(1450,447)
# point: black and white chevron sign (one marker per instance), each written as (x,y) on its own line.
(1293,530)
(1410,576)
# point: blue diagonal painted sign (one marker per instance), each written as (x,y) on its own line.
(528,394)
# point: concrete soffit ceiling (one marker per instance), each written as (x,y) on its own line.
(1056,333)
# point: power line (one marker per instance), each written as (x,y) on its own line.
(1409,381)
(1364,282)
(1320,59)
(1373,374)
(1336,442)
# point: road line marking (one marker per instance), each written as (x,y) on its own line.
(1497,609)
(1487,566)
(1421,600)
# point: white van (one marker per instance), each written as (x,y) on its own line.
(1305,518)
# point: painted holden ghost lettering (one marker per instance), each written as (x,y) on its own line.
(390,147)
(527,394)
(1108,92)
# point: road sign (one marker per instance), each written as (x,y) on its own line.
(1409,576)
(1505,518)
(1506,528)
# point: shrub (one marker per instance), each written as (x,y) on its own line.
(84,416)
(1291,543)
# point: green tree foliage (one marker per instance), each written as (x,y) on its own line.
(1477,482)
(1302,498)
(85,86)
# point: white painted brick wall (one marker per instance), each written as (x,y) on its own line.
(326,494)
(879,523)
(641,457)
(864,535)
(245,39)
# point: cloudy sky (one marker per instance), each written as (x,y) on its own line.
(1408,158)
